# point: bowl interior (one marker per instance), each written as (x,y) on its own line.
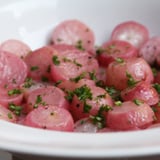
(32,22)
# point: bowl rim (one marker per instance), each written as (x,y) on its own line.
(21,139)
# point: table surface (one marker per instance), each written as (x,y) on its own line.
(7,156)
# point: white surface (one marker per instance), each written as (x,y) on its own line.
(32,22)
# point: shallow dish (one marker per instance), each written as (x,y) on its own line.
(32,22)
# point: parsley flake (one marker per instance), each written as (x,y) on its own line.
(28,83)
(138,102)
(131,81)
(15,109)
(34,68)
(92,76)
(157,87)
(79,45)
(69,95)
(99,118)
(44,79)
(99,50)
(10,116)
(119,60)
(83,93)
(55,60)
(118,103)
(78,78)
(114,93)
(39,101)
(86,107)
(76,63)
(14,92)
(57,83)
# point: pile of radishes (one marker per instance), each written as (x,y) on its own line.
(73,85)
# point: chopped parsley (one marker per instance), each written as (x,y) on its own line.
(98,121)
(154,109)
(101,96)
(92,76)
(154,71)
(131,81)
(105,108)
(69,96)
(44,79)
(119,60)
(28,83)
(76,63)
(58,82)
(157,87)
(15,109)
(114,93)
(83,93)
(79,45)
(118,103)
(111,49)
(99,50)
(100,83)
(65,59)
(34,68)
(86,107)
(99,118)
(78,78)
(39,101)
(14,92)
(55,60)
(10,116)
(138,102)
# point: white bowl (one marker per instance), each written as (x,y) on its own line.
(32,22)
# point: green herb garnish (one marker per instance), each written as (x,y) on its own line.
(138,102)
(154,71)
(92,76)
(65,59)
(15,109)
(10,116)
(118,103)
(83,93)
(14,92)
(114,93)
(28,83)
(131,81)
(44,79)
(119,60)
(69,95)
(100,83)
(100,50)
(86,107)
(99,119)
(76,63)
(34,68)
(79,45)
(55,60)
(157,87)
(78,78)
(57,83)
(39,101)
